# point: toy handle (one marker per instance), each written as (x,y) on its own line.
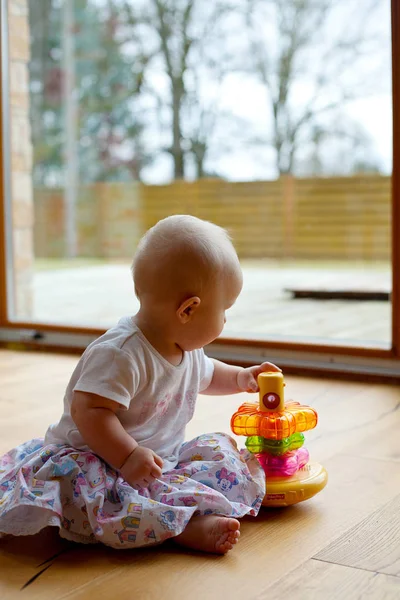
(271,394)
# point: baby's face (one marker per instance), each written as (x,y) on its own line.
(210,318)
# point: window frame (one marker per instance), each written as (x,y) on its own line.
(319,357)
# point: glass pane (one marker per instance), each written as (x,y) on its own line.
(269,117)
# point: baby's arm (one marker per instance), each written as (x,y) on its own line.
(228,379)
(104,434)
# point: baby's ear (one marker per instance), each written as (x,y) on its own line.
(187,309)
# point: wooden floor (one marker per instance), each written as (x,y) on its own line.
(343,544)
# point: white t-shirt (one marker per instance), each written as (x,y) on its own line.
(156,398)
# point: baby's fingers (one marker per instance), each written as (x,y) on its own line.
(139,485)
(267,366)
(252,385)
(156,471)
(158,460)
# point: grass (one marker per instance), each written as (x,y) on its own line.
(56,264)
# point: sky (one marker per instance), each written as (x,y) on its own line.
(245,98)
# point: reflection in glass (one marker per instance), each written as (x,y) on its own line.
(267,117)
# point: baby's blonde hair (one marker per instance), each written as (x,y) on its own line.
(180,256)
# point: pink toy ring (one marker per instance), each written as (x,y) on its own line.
(283,466)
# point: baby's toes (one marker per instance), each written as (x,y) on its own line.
(226,547)
(233,537)
(223,544)
(229,536)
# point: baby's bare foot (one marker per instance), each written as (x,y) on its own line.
(210,534)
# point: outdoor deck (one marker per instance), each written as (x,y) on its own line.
(99,294)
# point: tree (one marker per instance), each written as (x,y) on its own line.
(152,82)
(327,152)
(45,91)
(108,75)
(309,65)
(112,68)
(187,43)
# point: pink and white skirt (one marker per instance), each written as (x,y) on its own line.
(90,502)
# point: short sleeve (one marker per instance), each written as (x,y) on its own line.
(206,371)
(109,372)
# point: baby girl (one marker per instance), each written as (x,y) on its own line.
(115,468)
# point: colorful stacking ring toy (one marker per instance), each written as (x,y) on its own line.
(274,435)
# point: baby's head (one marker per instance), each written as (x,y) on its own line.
(187,274)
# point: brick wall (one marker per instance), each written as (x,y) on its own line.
(21,157)
(109,222)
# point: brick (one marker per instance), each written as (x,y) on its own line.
(18,38)
(19,85)
(23,244)
(19,100)
(19,82)
(20,133)
(21,157)
(22,162)
(23,293)
(22,265)
(22,214)
(21,187)
(18,7)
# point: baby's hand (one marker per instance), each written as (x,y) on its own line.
(247,378)
(141,467)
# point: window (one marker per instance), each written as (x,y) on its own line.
(267,117)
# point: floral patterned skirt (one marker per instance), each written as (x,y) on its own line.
(90,502)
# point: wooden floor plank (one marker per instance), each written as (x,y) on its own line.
(22,559)
(316,580)
(355,440)
(382,440)
(356,418)
(373,544)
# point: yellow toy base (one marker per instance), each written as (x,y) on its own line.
(285,491)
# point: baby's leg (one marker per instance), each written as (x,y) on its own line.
(222,485)
(210,533)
